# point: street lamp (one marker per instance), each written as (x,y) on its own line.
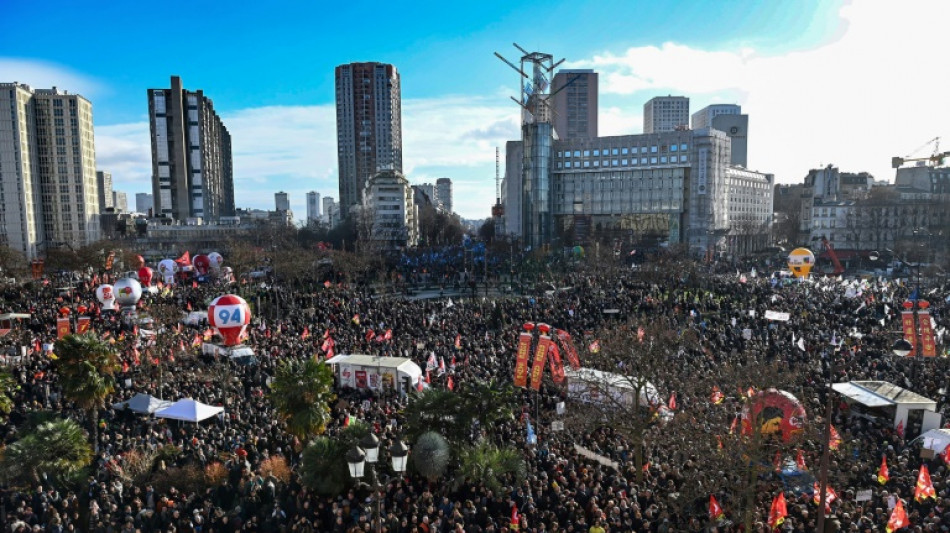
(368,452)
(902,347)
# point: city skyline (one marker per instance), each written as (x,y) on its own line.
(819,81)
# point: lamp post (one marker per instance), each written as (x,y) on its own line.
(368,452)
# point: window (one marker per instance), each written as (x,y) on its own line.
(586,153)
(683,147)
(567,164)
(613,152)
(673,147)
(624,151)
(653,149)
(663,159)
(615,162)
(652,160)
(577,153)
(596,153)
(586,164)
(643,149)
(623,162)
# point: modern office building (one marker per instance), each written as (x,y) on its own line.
(104,185)
(331,211)
(120,202)
(49,194)
(313,207)
(192,173)
(575,106)
(443,193)
(388,199)
(727,118)
(428,189)
(282,201)
(143,202)
(665,113)
(369,126)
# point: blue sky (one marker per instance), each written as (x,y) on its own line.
(269,69)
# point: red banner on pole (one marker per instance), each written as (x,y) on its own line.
(62,327)
(557,367)
(928,345)
(521,363)
(910,333)
(569,349)
(82,325)
(540,357)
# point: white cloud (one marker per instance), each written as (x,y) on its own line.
(45,75)
(874,92)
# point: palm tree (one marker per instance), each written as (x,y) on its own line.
(302,392)
(86,366)
(489,466)
(7,386)
(56,449)
(323,468)
(431,454)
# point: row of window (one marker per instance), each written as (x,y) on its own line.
(624,151)
(662,160)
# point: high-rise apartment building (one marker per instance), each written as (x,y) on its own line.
(104,185)
(665,113)
(49,196)
(282,201)
(192,174)
(443,192)
(120,202)
(575,106)
(143,202)
(368,125)
(313,207)
(727,118)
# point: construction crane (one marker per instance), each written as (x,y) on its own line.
(834,257)
(935,159)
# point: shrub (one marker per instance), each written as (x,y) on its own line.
(275,466)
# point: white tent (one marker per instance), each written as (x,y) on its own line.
(142,403)
(891,399)
(368,371)
(596,386)
(935,439)
(188,410)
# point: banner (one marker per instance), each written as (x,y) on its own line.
(777,315)
(36,268)
(928,345)
(521,363)
(82,325)
(62,327)
(540,357)
(910,333)
(109,260)
(569,349)
(557,367)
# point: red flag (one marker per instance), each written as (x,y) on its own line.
(733,425)
(388,335)
(450,384)
(900,429)
(419,386)
(778,512)
(835,441)
(569,348)
(515,522)
(946,455)
(717,396)
(188,306)
(640,333)
(882,473)
(327,284)
(554,360)
(458,342)
(924,488)
(719,442)
(306,333)
(356,319)
(369,335)
(800,461)
(194,284)
(594,347)
(777,461)
(196,341)
(672,403)
(715,510)
(346,421)
(327,345)
(830,496)
(125,366)
(898,518)
(428,378)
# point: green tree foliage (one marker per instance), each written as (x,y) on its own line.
(455,414)
(430,456)
(301,393)
(7,387)
(86,366)
(490,467)
(324,468)
(55,450)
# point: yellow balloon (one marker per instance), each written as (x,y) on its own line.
(800,261)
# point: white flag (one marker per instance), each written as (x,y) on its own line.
(801,344)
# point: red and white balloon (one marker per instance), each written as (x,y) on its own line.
(230,315)
(106,296)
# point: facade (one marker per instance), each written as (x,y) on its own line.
(104,185)
(313,207)
(48,188)
(827,197)
(428,189)
(443,193)
(750,196)
(665,113)
(120,202)
(575,106)
(727,118)
(391,211)
(704,117)
(143,202)
(369,126)
(282,201)
(192,170)
(331,211)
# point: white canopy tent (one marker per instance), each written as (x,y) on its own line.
(888,397)
(373,372)
(142,403)
(188,410)
(935,439)
(595,386)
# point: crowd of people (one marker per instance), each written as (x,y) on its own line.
(836,331)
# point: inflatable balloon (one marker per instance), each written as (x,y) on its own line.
(128,292)
(201,264)
(81,309)
(167,268)
(774,412)
(106,296)
(800,261)
(145,276)
(217,261)
(64,311)
(230,315)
